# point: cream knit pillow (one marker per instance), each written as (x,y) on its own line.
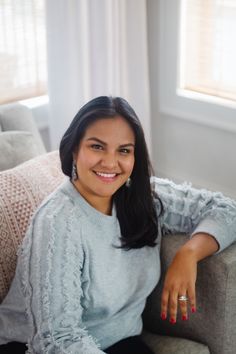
(22,189)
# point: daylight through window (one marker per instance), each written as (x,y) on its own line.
(208,47)
(22,50)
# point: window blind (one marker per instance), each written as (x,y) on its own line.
(23,71)
(208,47)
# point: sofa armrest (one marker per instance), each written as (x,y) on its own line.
(214,323)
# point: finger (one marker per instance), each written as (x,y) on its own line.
(164,304)
(192,299)
(173,306)
(183,304)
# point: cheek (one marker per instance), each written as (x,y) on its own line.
(129,165)
(85,159)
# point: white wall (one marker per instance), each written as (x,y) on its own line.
(185,150)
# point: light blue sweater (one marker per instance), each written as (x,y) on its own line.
(73,291)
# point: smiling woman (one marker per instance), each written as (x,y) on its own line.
(90,257)
(106,136)
(104,161)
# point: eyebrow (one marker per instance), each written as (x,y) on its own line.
(103,143)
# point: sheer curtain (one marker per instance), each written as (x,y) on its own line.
(96,47)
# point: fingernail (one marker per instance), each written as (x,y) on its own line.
(193,309)
(172,320)
(163,316)
(184,317)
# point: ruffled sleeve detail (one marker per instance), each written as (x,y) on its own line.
(52,257)
(192,210)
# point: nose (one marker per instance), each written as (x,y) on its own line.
(109,161)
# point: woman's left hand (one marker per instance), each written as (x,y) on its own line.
(179,281)
(181,276)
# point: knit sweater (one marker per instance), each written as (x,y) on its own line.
(74,291)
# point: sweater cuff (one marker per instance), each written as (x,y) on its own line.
(213,228)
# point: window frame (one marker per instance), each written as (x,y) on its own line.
(196,107)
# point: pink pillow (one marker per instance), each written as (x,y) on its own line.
(22,189)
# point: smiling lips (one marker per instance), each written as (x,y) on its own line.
(108,177)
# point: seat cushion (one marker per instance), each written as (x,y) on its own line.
(173,345)
(22,189)
(17,147)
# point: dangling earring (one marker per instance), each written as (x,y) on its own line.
(74,174)
(128,182)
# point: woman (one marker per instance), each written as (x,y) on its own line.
(91,255)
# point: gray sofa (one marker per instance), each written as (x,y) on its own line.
(212,329)
(19,136)
(214,323)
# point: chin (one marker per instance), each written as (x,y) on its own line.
(106,194)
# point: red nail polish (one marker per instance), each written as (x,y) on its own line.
(163,316)
(172,320)
(193,309)
(184,317)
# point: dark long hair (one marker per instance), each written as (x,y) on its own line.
(134,205)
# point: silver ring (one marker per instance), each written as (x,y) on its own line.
(183,298)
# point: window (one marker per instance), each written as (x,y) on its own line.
(208,49)
(181,93)
(22,50)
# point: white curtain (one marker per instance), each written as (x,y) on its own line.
(96,47)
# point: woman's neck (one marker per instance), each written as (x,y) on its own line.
(103,205)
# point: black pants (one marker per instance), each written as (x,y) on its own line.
(131,345)
(13,347)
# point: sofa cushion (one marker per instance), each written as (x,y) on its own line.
(173,345)
(22,189)
(15,116)
(18,147)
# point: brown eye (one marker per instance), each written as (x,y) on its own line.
(97,147)
(125,151)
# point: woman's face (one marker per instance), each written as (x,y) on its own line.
(104,160)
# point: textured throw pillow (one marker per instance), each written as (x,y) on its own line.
(22,189)
(16,147)
(16,116)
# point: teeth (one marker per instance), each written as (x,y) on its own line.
(107,175)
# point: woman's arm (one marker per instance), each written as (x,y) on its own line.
(182,273)
(210,219)
(52,259)
(190,210)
